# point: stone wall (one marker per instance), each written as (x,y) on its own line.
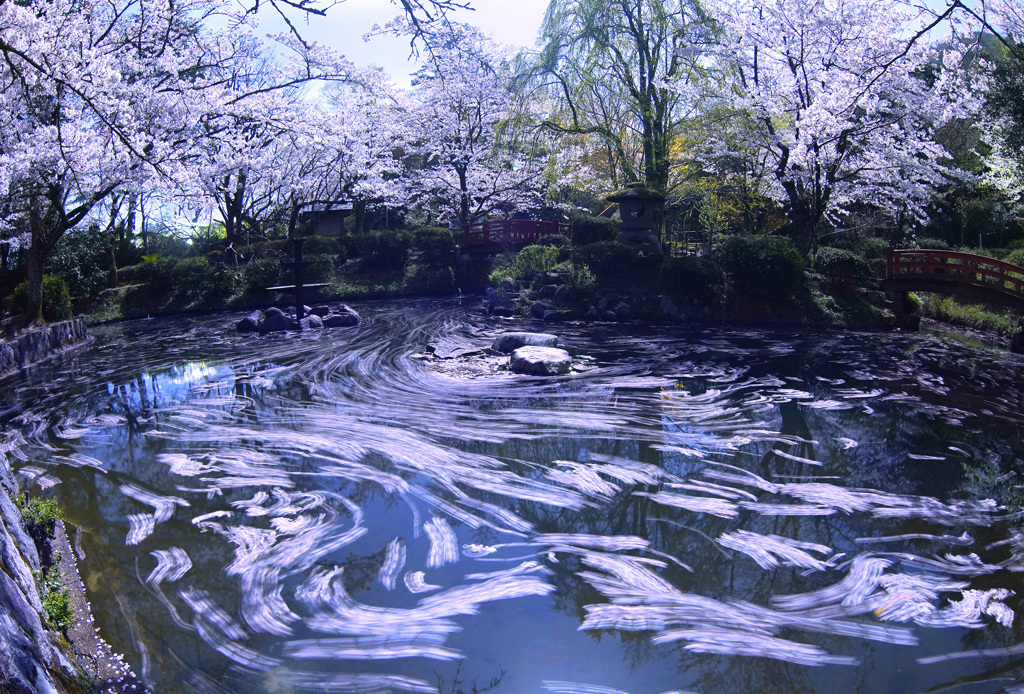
(39,344)
(30,662)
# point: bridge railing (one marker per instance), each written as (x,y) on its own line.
(515,232)
(955,267)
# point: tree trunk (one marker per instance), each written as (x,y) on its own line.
(37,253)
(463,198)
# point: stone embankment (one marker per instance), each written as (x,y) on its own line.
(34,657)
(36,345)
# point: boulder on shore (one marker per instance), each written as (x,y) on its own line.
(506,343)
(540,361)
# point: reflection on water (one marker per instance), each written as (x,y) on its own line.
(713,511)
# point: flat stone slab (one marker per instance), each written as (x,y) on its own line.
(506,343)
(540,361)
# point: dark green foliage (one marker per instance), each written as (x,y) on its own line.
(933,244)
(192,274)
(1015,257)
(842,270)
(262,273)
(587,229)
(697,279)
(430,279)
(57,600)
(617,264)
(872,248)
(582,283)
(556,240)
(280,249)
(1005,102)
(526,262)
(436,246)
(562,243)
(56,299)
(156,272)
(765,266)
(350,244)
(40,512)
(320,245)
(320,269)
(384,250)
(82,258)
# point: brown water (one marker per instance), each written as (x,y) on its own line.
(720,511)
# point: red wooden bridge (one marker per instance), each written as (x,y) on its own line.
(495,237)
(976,277)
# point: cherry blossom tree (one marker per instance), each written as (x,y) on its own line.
(838,100)
(463,123)
(111,96)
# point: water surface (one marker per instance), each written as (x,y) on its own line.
(381,509)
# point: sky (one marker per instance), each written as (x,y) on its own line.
(513,22)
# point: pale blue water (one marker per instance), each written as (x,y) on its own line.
(717,511)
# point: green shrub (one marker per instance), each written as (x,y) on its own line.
(933,244)
(1015,257)
(40,512)
(192,274)
(587,229)
(700,280)
(57,600)
(556,240)
(767,266)
(320,245)
(56,299)
(523,264)
(872,248)
(428,279)
(841,270)
(620,264)
(435,245)
(384,250)
(581,282)
(82,258)
(260,274)
(156,272)
(320,269)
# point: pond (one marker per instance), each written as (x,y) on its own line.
(379,509)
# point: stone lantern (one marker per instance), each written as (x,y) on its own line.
(641,210)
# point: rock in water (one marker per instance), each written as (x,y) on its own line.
(540,361)
(311,322)
(276,320)
(506,343)
(343,317)
(251,323)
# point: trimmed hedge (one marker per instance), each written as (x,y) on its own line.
(766,266)
(260,274)
(435,245)
(700,280)
(841,270)
(615,263)
(384,250)
(587,229)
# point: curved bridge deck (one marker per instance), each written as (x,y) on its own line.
(951,272)
(488,238)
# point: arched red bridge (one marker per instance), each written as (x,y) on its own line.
(976,277)
(495,237)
